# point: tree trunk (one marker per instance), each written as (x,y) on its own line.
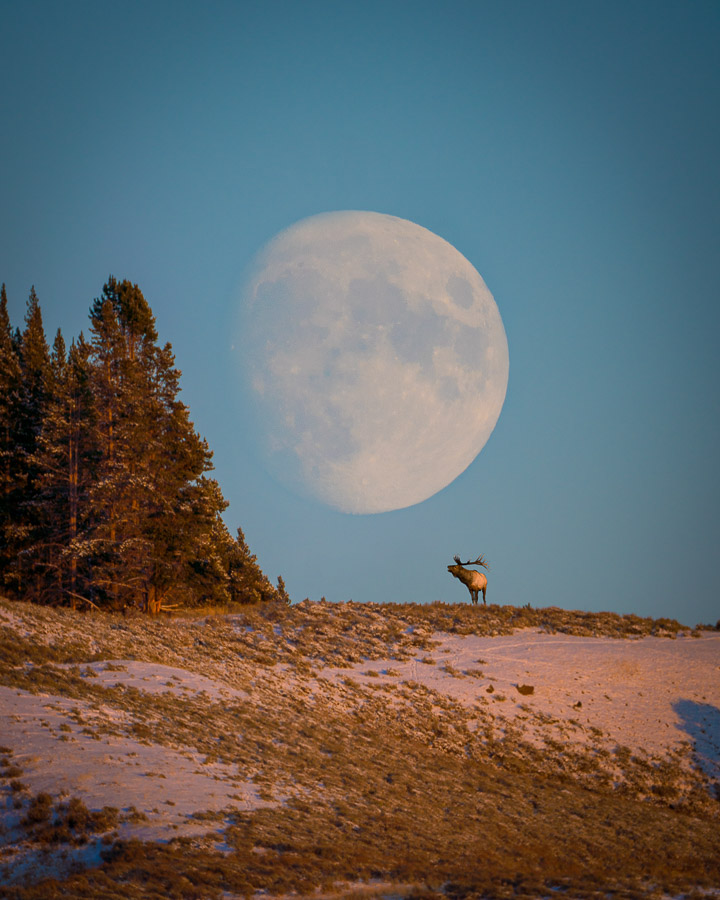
(73,452)
(154,600)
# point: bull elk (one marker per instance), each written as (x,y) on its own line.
(474,581)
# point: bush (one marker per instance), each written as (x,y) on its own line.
(39,811)
(68,822)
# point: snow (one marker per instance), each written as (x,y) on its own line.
(154,678)
(113,770)
(650,694)
(653,695)
(61,750)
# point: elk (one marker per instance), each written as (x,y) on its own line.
(474,581)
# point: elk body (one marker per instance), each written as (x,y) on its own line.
(474,581)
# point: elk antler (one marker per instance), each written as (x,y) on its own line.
(472,562)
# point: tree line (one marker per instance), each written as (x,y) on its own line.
(104,496)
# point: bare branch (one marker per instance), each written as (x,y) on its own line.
(82,599)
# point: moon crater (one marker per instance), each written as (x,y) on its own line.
(375,358)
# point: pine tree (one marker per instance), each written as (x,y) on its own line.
(44,545)
(248,583)
(35,364)
(10,478)
(154,512)
(64,458)
(82,460)
(104,493)
(283,595)
(108,495)
(34,359)
(180,505)
(58,363)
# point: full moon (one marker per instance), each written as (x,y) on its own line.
(375,358)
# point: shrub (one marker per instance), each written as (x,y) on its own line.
(39,811)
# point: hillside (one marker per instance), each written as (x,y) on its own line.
(394,750)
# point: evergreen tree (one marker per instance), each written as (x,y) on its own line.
(82,463)
(10,479)
(104,495)
(65,458)
(35,364)
(283,595)
(34,359)
(109,496)
(42,545)
(248,583)
(154,512)
(179,504)
(58,363)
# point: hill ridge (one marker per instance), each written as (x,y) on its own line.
(290,748)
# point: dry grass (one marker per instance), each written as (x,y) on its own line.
(384,781)
(69,822)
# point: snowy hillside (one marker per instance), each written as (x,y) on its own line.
(384,750)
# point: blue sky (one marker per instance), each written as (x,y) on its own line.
(568,150)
